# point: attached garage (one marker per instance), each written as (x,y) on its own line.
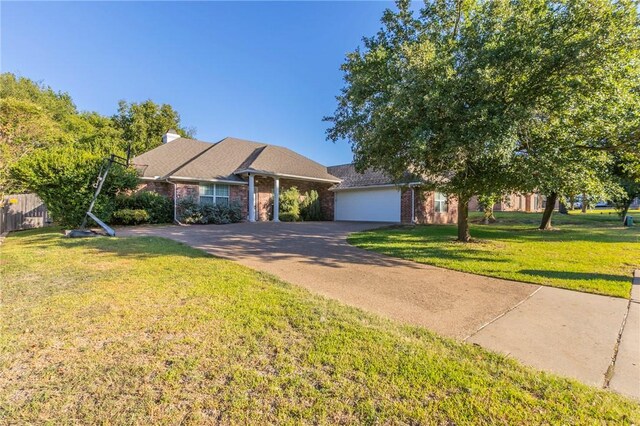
(369,205)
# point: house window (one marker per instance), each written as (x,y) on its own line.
(214,194)
(440,203)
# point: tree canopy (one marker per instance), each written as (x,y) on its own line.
(49,147)
(143,123)
(449,93)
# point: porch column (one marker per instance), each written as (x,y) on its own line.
(252,200)
(276,199)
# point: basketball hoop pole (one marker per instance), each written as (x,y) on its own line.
(102,176)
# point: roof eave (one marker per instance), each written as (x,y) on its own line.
(286,176)
(200,179)
(386,185)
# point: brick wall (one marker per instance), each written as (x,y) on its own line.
(405,205)
(424,208)
(474,204)
(237,193)
(163,188)
(512,203)
(240,194)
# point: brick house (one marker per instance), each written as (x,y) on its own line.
(516,202)
(252,174)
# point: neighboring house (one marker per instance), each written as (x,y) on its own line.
(253,174)
(514,202)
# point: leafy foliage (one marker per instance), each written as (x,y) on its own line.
(158,207)
(486,203)
(143,124)
(450,93)
(627,172)
(64,176)
(131,216)
(290,205)
(190,211)
(310,206)
(48,147)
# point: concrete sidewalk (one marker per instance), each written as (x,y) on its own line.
(566,332)
(625,374)
(570,333)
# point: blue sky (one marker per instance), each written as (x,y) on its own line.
(266,71)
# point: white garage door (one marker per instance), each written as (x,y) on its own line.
(375,205)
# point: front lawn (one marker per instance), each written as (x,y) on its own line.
(592,253)
(146,330)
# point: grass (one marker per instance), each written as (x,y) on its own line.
(146,330)
(591,253)
(603,211)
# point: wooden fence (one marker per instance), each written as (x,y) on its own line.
(22,211)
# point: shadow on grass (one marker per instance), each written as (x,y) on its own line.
(140,247)
(577,276)
(318,244)
(521,232)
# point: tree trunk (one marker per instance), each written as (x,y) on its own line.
(488,215)
(463,220)
(548,211)
(625,210)
(584,203)
(563,208)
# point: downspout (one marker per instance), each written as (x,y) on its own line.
(175,202)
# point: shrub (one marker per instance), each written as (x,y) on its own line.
(310,207)
(289,217)
(235,212)
(191,212)
(159,208)
(290,205)
(131,216)
(63,178)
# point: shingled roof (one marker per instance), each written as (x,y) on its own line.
(350,178)
(226,160)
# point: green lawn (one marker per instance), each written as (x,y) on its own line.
(146,330)
(586,252)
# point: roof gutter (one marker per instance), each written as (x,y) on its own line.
(287,176)
(196,179)
(386,185)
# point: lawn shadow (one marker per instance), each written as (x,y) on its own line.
(141,247)
(442,248)
(577,276)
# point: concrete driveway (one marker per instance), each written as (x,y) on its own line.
(573,334)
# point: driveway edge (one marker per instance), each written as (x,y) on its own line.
(502,314)
(627,348)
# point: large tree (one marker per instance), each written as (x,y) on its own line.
(626,171)
(445,94)
(578,130)
(48,147)
(144,123)
(32,117)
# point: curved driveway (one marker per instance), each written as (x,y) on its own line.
(563,331)
(317,256)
